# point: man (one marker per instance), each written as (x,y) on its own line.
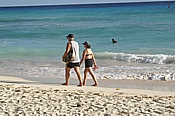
(72,45)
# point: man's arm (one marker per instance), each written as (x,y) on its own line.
(68,47)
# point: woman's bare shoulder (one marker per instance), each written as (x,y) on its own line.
(90,51)
(85,51)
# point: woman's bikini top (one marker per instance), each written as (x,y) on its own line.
(88,54)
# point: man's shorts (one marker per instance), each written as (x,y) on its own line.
(72,65)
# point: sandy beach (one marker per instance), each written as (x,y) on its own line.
(26,97)
(136,75)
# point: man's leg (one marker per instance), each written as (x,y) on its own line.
(77,70)
(67,75)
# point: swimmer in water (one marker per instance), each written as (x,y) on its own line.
(114,41)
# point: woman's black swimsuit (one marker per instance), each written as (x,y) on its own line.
(88,63)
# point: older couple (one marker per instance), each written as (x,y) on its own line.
(73,47)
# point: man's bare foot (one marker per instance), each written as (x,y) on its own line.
(80,85)
(65,84)
(95,85)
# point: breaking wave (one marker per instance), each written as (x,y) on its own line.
(140,58)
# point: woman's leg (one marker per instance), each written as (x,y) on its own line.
(93,77)
(85,76)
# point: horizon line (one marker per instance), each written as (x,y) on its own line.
(96,3)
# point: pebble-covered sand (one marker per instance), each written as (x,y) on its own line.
(18,100)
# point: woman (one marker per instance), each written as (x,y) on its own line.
(88,56)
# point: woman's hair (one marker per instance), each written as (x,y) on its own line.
(88,46)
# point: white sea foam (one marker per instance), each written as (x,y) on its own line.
(140,58)
(109,69)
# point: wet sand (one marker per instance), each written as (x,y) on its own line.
(107,83)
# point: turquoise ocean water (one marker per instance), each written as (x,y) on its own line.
(33,39)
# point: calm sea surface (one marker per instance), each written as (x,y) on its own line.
(33,39)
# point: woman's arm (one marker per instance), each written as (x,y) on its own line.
(95,64)
(83,57)
(68,47)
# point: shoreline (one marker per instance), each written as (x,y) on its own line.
(105,85)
